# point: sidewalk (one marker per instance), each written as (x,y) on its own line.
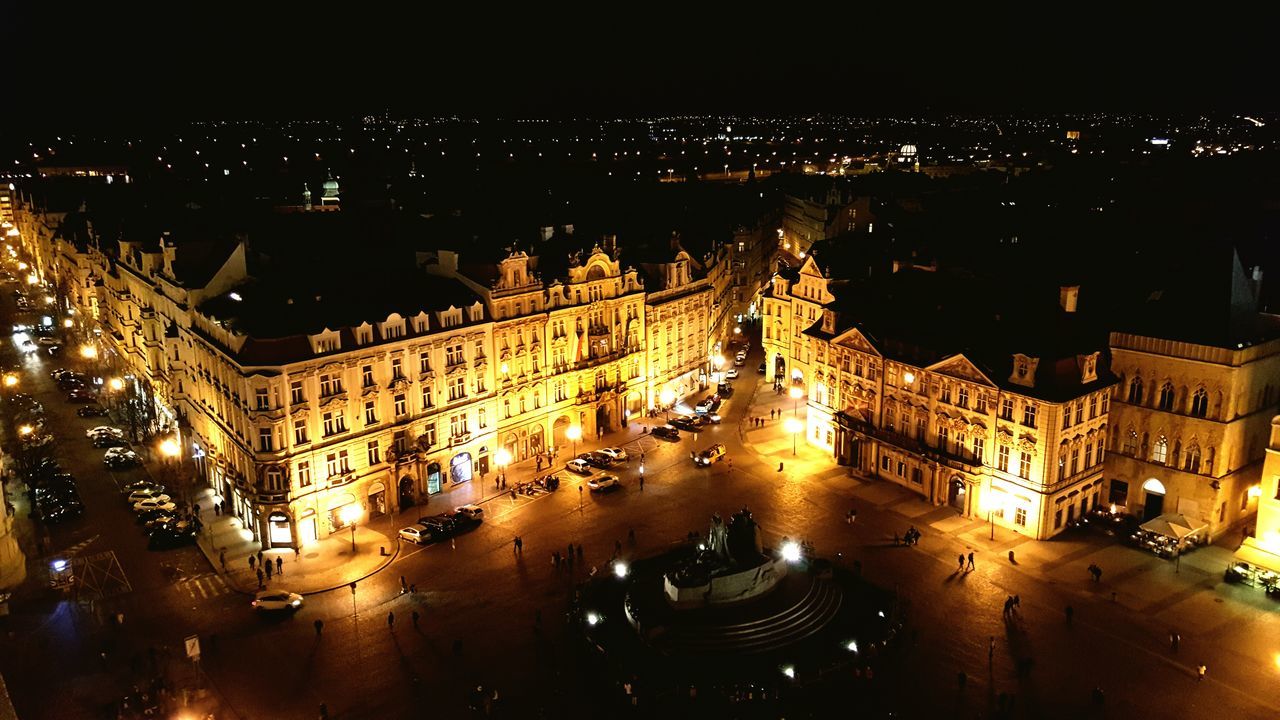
(321,566)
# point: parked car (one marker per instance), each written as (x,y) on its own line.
(60,510)
(739,361)
(603,483)
(709,456)
(666,432)
(686,422)
(161,503)
(711,418)
(614,453)
(724,390)
(148,517)
(419,534)
(91,411)
(104,430)
(81,395)
(441,526)
(762,369)
(475,512)
(459,522)
(578,465)
(138,496)
(171,535)
(119,458)
(709,404)
(276,600)
(732,373)
(137,485)
(46,341)
(597,459)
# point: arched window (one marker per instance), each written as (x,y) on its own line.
(1166,396)
(1191,461)
(1131,442)
(1135,391)
(1200,403)
(1161,450)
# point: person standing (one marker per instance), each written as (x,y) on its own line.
(222,558)
(260,586)
(267,566)
(391,621)
(319,626)
(251,563)
(960,567)
(404,585)
(415,618)
(1200,671)
(971,561)
(279,566)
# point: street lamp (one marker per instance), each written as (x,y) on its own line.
(795,427)
(10,379)
(116,384)
(796,393)
(668,396)
(350,516)
(88,352)
(502,458)
(68,323)
(26,430)
(574,433)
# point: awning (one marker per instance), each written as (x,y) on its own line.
(1251,554)
(1174,525)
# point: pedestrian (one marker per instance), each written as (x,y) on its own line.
(251,562)
(538,463)
(1174,640)
(259,557)
(319,625)
(1200,671)
(260,586)
(1017,601)
(413,589)
(570,551)
(415,618)
(497,483)
(519,545)
(1071,612)
(267,566)
(391,620)
(641,482)
(555,559)
(960,567)
(222,558)
(771,411)
(971,561)
(297,552)
(404,585)
(991,649)
(280,566)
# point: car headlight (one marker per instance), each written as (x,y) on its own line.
(296,603)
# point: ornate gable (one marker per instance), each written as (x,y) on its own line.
(853,338)
(960,367)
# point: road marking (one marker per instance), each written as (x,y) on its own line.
(206,586)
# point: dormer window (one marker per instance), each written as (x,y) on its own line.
(1024,370)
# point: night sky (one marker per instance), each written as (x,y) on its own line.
(196,61)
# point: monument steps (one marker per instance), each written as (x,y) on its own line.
(804,618)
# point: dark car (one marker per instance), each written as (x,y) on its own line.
(91,411)
(171,535)
(762,369)
(120,461)
(44,471)
(596,459)
(60,510)
(686,423)
(441,526)
(666,432)
(71,381)
(147,517)
(725,390)
(106,441)
(136,485)
(81,395)
(461,522)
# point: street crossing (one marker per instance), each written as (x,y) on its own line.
(204,586)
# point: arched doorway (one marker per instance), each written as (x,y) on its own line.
(377,500)
(460,468)
(536,444)
(281,533)
(779,367)
(602,419)
(956,494)
(512,445)
(1154,506)
(559,432)
(405,491)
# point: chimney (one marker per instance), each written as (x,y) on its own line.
(546,232)
(1068,296)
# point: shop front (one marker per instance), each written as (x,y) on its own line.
(1257,563)
(377,499)
(460,468)
(435,478)
(279,530)
(337,521)
(308,532)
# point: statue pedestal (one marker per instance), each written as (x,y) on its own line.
(728,588)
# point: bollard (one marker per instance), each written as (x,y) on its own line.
(1011,556)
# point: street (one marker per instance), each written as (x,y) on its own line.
(478,598)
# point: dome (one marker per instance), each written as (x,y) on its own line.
(908,150)
(331,188)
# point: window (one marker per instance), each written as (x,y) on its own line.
(482,418)
(424,363)
(261,400)
(397,368)
(1131,442)
(1135,392)
(1002,458)
(428,397)
(366,376)
(479,350)
(1200,403)
(299,432)
(902,467)
(1088,454)
(429,435)
(1079,412)
(1029,415)
(1191,461)
(922,427)
(962,397)
(375,453)
(945,396)
(370,412)
(1106,401)
(457,388)
(453,355)
(1020,516)
(1160,451)
(978,448)
(1075,460)
(890,418)
(334,423)
(304,474)
(980,403)
(1006,409)
(331,467)
(1166,396)
(401,406)
(480,388)
(273,479)
(1066,417)
(891,375)
(1102,444)
(330,384)
(264,439)
(458,425)
(884,463)
(295,393)
(1057,518)
(1024,465)
(944,435)
(1093,406)
(858,366)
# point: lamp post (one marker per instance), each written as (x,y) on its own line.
(574,433)
(796,393)
(88,352)
(170,450)
(794,426)
(668,396)
(502,458)
(351,515)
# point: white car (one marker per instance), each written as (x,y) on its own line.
(732,374)
(580,466)
(138,496)
(742,355)
(271,600)
(604,482)
(104,430)
(739,361)
(475,512)
(614,453)
(155,504)
(419,534)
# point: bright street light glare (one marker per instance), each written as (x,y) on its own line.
(791,551)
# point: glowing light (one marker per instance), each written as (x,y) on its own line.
(59,565)
(32,279)
(505,369)
(593,618)
(169,448)
(88,352)
(851,646)
(667,396)
(791,551)
(574,433)
(115,384)
(10,380)
(502,458)
(620,569)
(350,513)
(789,671)
(909,377)
(26,430)
(796,392)
(68,323)
(1255,491)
